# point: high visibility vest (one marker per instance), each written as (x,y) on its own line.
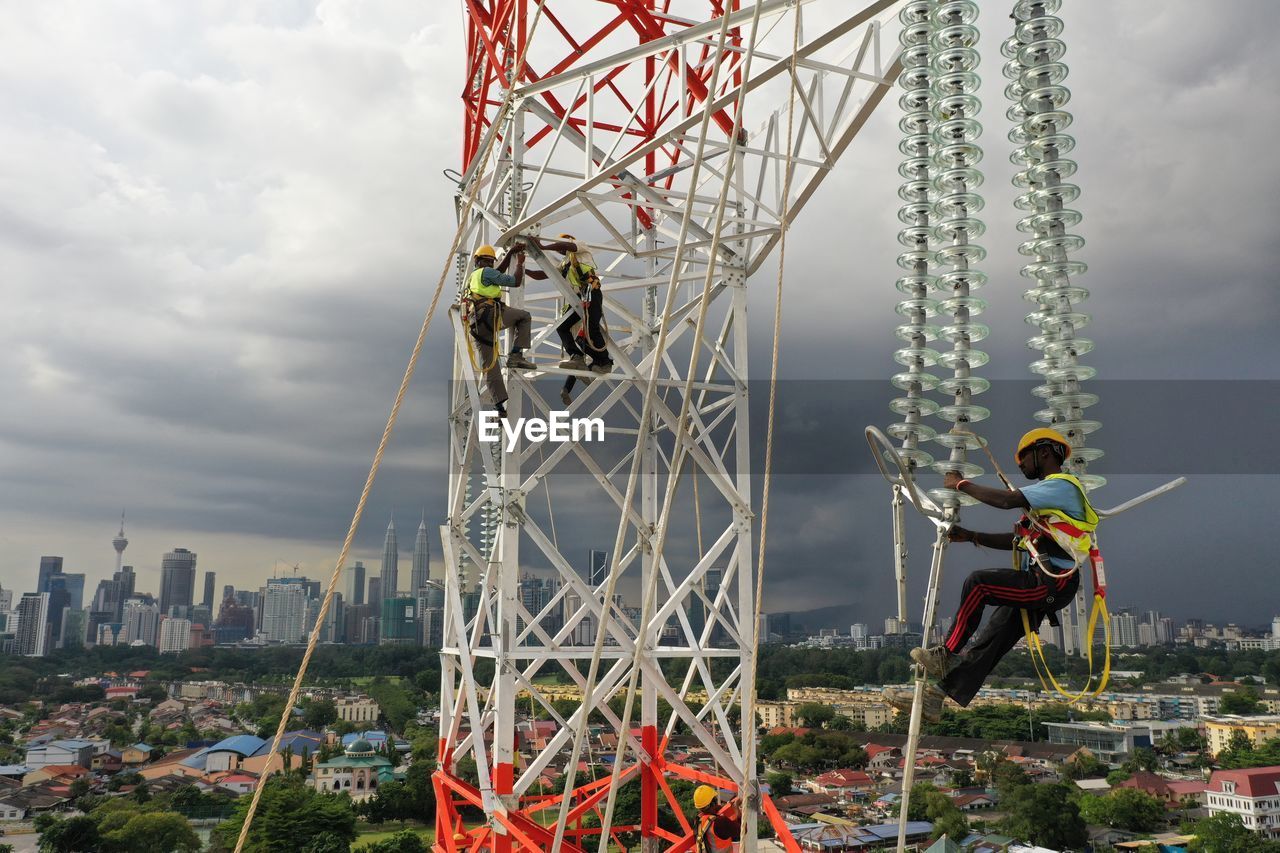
(580,276)
(477,287)
(1073,535)
(707,840)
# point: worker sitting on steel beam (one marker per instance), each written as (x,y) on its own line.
(489,315)
(1057,524)
(716,831)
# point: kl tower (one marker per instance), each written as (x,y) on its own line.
(120,543)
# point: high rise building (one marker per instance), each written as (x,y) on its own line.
(857,631)
(421,559)
(284,611)
(48,566)
(228,591)
(6,600)
(374,598)
(894,625)
(597,568)
(175,635)
(355,583)
(235,622)
(1275,627)
(177,580)
(1124,629)
(399,622)
(32,638)
(73,584)
(390,564)
(141,621)
(209,583)
(431,614)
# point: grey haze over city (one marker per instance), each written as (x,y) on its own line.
(220,224)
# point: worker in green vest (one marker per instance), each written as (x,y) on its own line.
(489,316)
(1057,524)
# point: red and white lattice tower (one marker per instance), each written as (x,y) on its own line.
(598,140)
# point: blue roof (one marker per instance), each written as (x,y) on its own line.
(304,741)
(890,830)
(71,743)
(141,747)
(246,745)
(374,737)
(196,760)
(14,769)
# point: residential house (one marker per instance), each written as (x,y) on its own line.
(843,784)
(63,774)
(1169,791)
(133,756)
(69,751)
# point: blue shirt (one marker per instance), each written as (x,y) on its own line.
(1061,495)
(491,276)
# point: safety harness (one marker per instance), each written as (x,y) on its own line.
(1075,537)
(478,299)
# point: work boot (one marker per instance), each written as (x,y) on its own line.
(602,367)
(574,362)
(565,397)
(517,361)
(901,699)
(937,661)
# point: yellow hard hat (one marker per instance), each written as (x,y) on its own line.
(1036,436)
(486,251)
(703,795)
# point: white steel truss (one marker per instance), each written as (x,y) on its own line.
(587,178)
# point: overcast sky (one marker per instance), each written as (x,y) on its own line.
(220,223)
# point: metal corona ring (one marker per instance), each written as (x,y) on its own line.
(915,214)
(956,155)
(1038,97)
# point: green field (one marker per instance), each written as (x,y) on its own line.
(373,834)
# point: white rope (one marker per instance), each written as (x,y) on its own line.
(375,466)
(642,435)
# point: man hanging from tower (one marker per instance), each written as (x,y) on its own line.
(1057,524)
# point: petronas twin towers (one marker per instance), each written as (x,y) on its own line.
(391,561)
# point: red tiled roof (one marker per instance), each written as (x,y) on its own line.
(843,779)
(1258,782)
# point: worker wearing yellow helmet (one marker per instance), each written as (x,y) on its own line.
(718,829)
(489,313)
(1058,522)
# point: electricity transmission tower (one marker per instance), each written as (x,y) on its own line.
(597,133)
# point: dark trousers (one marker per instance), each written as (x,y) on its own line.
(595,335)
(1010,591)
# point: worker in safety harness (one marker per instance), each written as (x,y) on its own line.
(489,314)
(1057,524)
(717,830)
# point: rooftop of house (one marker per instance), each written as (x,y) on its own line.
(1256,782)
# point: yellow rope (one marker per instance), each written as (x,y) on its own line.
(405,380)
(471,350)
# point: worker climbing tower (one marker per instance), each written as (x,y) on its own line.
(675,142)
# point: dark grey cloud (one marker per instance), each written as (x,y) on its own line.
(220,230)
